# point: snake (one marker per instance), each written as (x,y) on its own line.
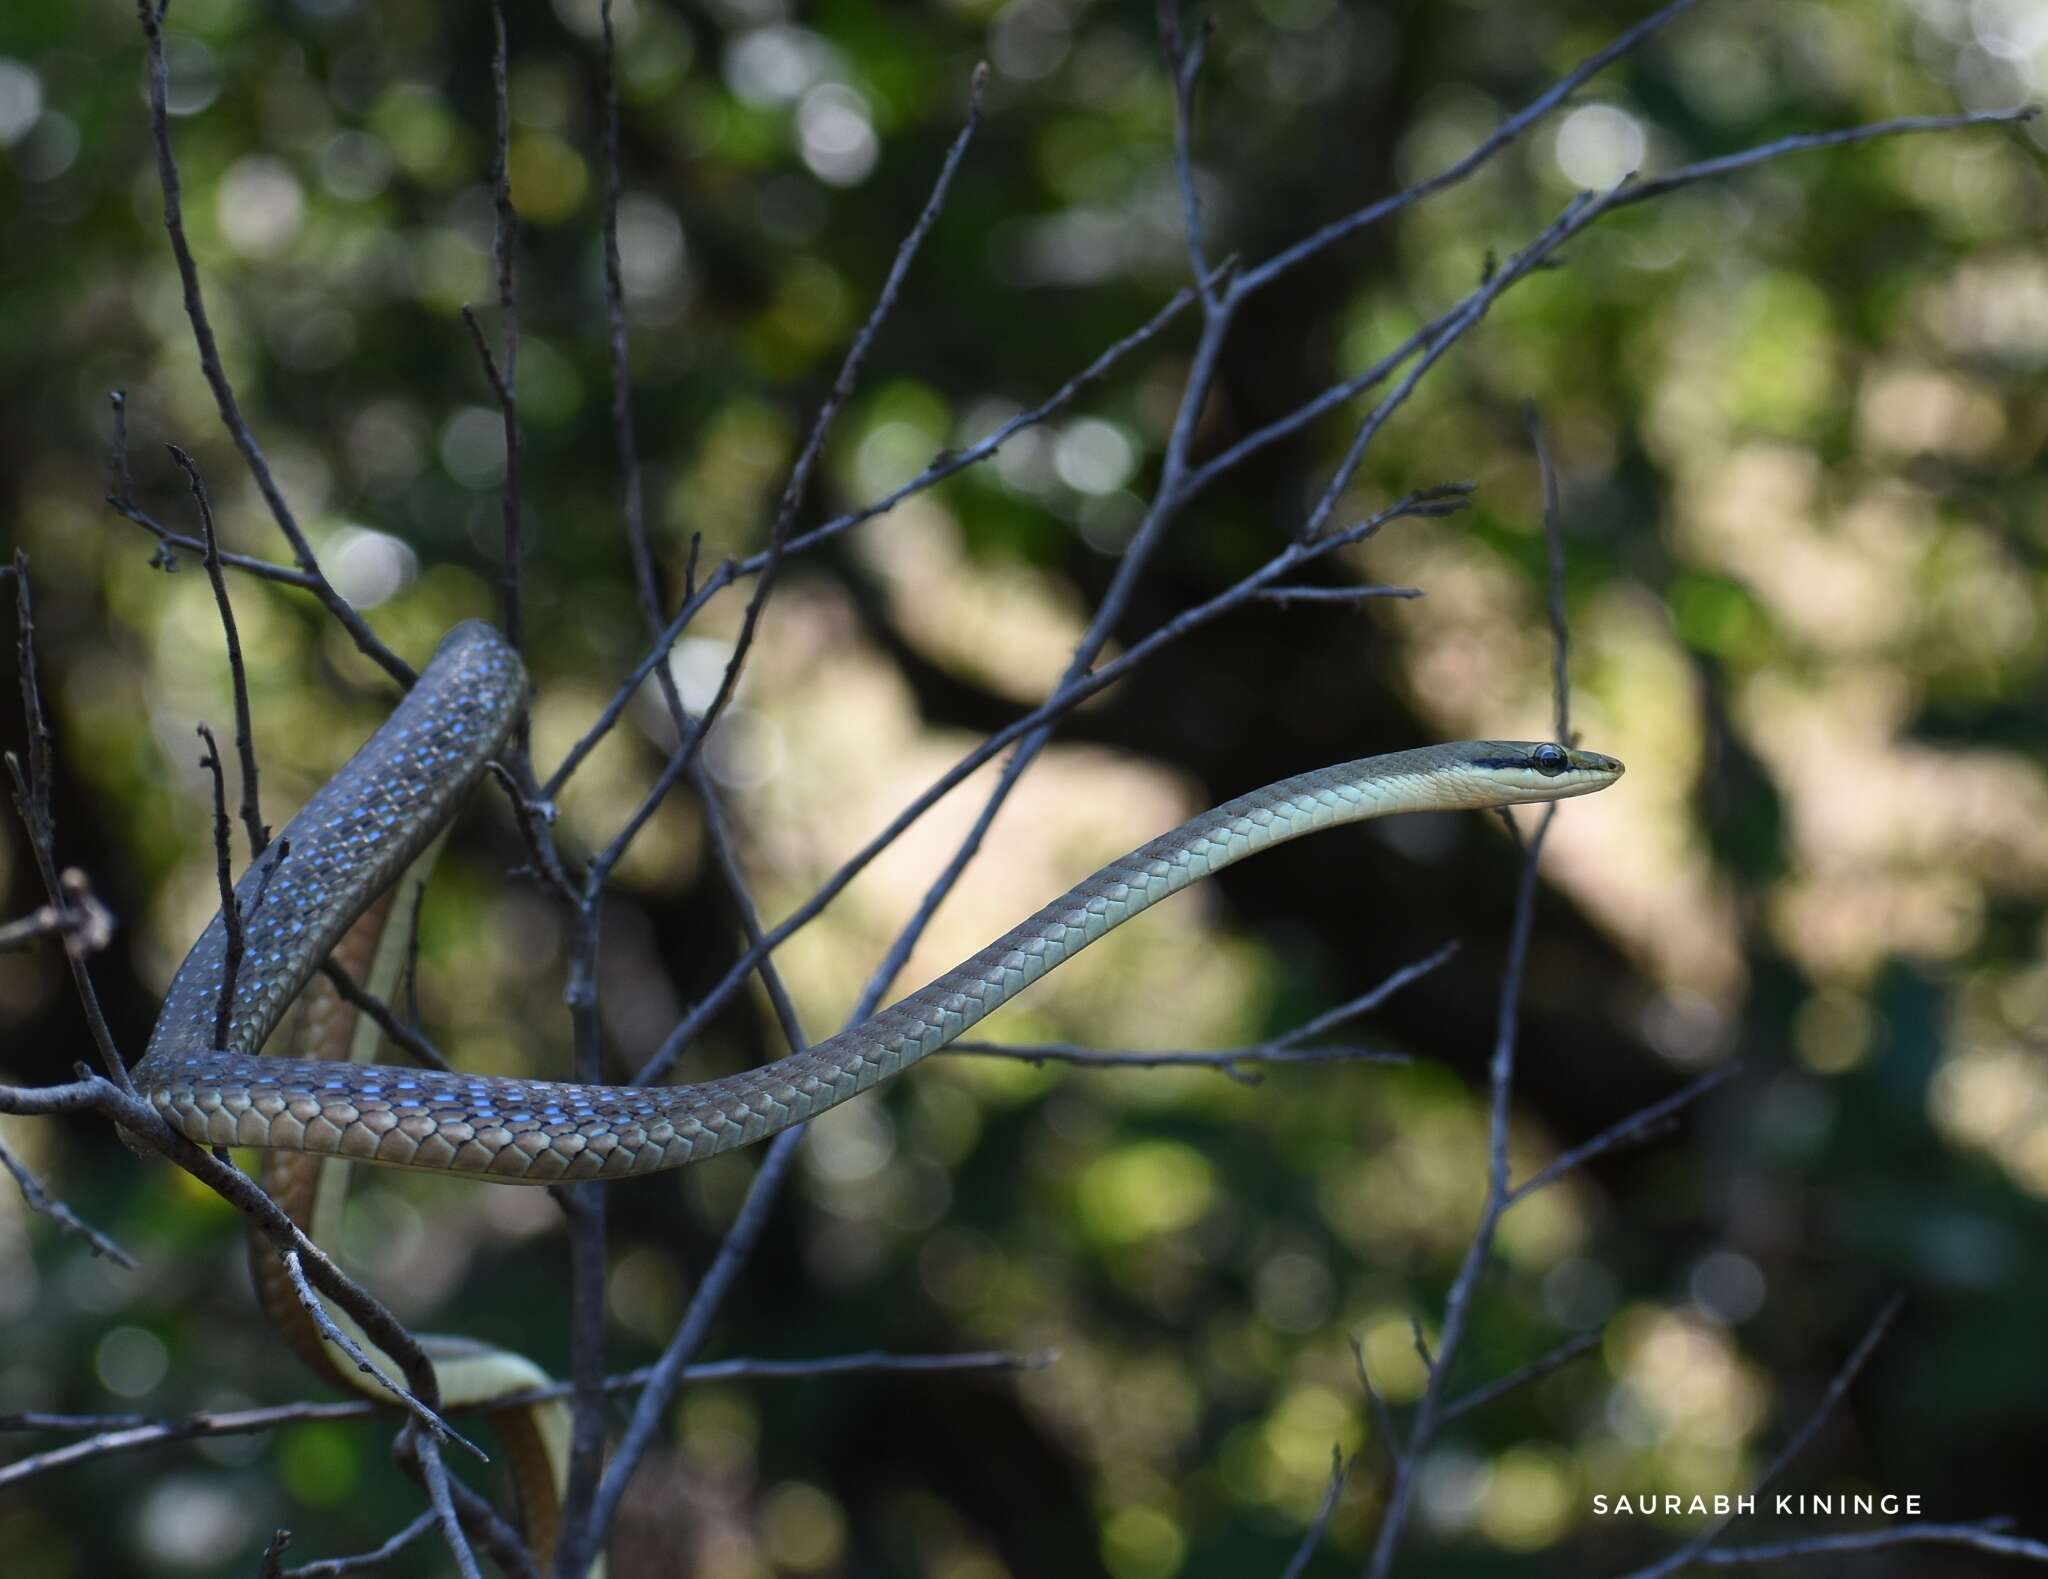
(206,1073)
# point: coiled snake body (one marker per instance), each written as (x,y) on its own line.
(378,815)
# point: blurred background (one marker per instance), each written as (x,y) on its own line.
(1798,417)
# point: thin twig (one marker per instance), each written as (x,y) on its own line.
(1794,1445)
(1382,1416)
(1807,142)
(409,1038)
(582,1535)
(42,1201)
(146,1128)
(127,1433)
(1550,1360)
(1226,1061)
(230,912)
(210,363)
(1285,1048)
(505,376)
(1287,595)
(1635,1127)
(1508,130)
(476,1518)
(1431,1411)
(84,925)
(1987,1535)
(427,1450)
(365,1562)
(1423,503)
(32,800)
(1312,1537)
(238,672)
(1577,215)
(947,464)
(1184,66)
(426,1414)
(1553,540)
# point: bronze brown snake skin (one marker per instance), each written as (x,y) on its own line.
(368,823)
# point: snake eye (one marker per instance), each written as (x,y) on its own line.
(1549,760)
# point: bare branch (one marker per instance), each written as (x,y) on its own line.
(407,1037)
(366,1562)
(1226,1061)
(210,364)
(1806,142)
(32,799)
(1320,1524)
(245,735)
(1553,539)
(224,878)
(1987,1535)
(1695,1549)
(504,371)
(1508,130)
(1637,1126)
(435,1473)
(947,464)
(1577,215)
(1425,502)
(1353,595)
(1184,65)
(1431,1411)
(1283,1049)
(1382,1416)
(429,1416)
(1538,1368)
(84,925)
(42,1201)
(127,1433)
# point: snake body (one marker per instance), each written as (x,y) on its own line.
(360,831)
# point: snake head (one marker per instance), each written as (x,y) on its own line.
(1519,771)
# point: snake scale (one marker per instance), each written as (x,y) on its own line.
(368,823)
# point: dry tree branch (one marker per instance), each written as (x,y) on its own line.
(317,1313)
(78,919)
(42,1201)
(426,1451)
(584,1531)
(948,464)
(408,1038)
(1425,503)
(32,800)
(1285,1048)
(144,1128)
(1550,1360)
(1794,1445)
(1636,1127)
(238,672)
(1318,1526)
(1224,1060)
(1181,480)
(1553,542)
(1502,135)
(365,1562)
(224,879)
(1430,1411)
(115,1434)
(1986,1535)
(151,16)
